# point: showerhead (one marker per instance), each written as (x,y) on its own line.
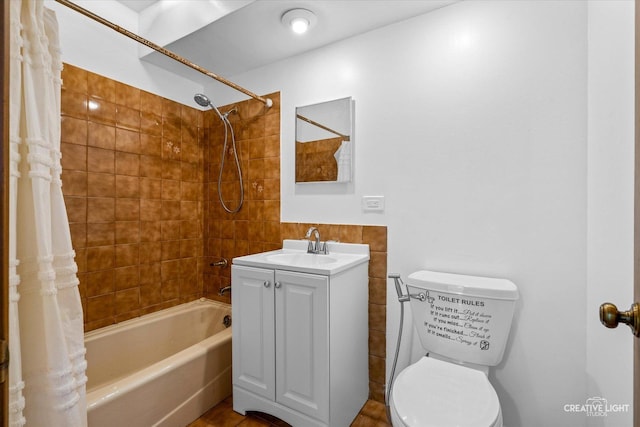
(202,100)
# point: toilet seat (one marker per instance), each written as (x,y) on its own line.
(435,393)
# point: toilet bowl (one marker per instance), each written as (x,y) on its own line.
(463,322)
(436,393)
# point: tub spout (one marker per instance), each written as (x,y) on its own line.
(222,291)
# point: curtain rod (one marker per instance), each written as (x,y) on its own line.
(268,102)
(321,126)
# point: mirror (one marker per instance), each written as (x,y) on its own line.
(324,143)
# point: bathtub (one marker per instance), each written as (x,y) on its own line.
(163,369)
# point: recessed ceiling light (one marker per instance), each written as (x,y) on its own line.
(299,20)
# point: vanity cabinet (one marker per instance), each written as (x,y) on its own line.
(300,344)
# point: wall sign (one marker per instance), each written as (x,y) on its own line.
(462,327)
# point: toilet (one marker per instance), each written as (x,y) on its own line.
(463,323)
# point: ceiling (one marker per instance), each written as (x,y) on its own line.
(253,35)
(138,5)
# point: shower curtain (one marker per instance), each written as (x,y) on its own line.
(46,338)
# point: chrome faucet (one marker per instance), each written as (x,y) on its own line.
(315,247)
(222,291)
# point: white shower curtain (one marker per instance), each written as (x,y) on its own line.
(46,338)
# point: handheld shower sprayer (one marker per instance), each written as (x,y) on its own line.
(204,101)
(398,282)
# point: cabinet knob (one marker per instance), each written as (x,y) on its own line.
(266,283)
(277,285)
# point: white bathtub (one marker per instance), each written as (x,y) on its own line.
(163,369)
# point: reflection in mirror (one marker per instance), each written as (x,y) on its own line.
(324,145)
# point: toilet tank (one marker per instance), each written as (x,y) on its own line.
(465,318)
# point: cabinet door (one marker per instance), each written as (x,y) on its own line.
(253,330)
(302,346)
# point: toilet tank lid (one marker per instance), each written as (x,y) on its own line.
(486,287)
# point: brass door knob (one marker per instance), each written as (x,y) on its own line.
(610,317)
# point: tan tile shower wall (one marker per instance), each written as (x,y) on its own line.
(256,227)
(132,180)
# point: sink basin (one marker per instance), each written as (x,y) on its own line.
(302,259)
(294,257)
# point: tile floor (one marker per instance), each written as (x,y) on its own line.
(373,414)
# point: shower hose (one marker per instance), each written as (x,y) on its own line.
(225,122)
(402,299)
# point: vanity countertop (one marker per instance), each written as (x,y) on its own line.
(294,257)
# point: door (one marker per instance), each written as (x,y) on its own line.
(302,343)
(253,330)
(608,314)
(4,185)
(636,246)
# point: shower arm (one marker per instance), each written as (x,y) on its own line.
(266,101)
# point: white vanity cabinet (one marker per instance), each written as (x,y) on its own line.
(300,343)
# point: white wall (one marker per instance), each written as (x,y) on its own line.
(92,46)
(610,201)
(473,122)
(481,126)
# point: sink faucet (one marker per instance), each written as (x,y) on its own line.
(316,247)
